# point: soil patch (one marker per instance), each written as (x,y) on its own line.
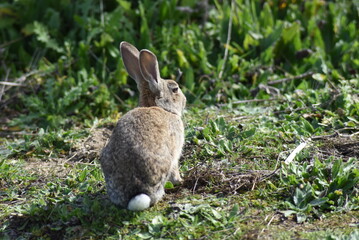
(220,178)
(89,149)
(53,168)
(339,147)
(85,150)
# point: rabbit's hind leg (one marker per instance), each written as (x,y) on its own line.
(157,194)
(116,193)
(175,177)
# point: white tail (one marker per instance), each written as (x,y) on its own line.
(139,202)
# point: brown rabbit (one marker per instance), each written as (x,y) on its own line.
(146,144)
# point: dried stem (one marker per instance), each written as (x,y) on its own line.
(295,152)
(2,91)
(304,75)
(228,40)
(255,100)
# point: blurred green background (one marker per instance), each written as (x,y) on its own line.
(64,59)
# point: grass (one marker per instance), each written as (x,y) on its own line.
(289,77)
(231,188)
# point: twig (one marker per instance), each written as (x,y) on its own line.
(248,101)
(3,87)
(270,174)
(276,168)
(297,150)
(6,85)
(89,164)
(276,164)
(11,84)
(69,159)
(255,100)
(180,73)
(119,99)
(254,185)
(316,138)
(16,82)
(243,117)
(195,185)
(263,229)
(347,128)
(304,75)
(270,90)
(335,134)
(228,40)
(10,42)
(270,221)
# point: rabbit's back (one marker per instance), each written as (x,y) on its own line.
(141,153)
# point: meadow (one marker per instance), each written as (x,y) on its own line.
(271,123)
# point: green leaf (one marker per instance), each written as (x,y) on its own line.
(319,77)
(266,16)
(234,211)
(307,126)
(83,175)
(337,168)
(248,133)
(157,220)
(189,79)
(287,213)
(169,185)
(319,201)
(144,29)
(43,36)
(183,62)
(214,125)
(289,32)
(145,235)
(126,5)
(301,217)
(298,196)
(249,41)
(216,214)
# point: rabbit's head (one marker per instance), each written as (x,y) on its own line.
(142,66)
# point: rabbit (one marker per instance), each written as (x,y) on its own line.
(146,144)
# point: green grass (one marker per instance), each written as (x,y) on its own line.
(76,206)
(63,86)
(230,189)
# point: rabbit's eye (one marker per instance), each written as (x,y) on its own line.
(175,89)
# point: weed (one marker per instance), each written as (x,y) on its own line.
(329,185)
(80,74)
(45,143)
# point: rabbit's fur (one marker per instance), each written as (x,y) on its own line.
(146,144)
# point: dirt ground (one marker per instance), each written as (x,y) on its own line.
(86,150)
(341,147)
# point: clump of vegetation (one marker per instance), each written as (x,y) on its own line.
(65,56)
(329,185)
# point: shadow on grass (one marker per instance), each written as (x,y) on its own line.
(83,216)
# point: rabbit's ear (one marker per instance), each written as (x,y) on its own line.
(149,70)
(130,58)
